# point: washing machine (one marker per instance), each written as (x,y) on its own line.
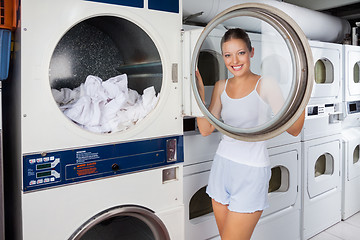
(351,73)
(322,160)
(67,179)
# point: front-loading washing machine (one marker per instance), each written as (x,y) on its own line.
(67,171)
(351,63)
(322,160)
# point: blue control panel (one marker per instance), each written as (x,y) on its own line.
(161,5)
(51,169)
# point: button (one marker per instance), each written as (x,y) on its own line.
(39,160)
(46,159)
(32,182)
(52,158)
(39,181)
(32,161)
(52,179)
(46,180)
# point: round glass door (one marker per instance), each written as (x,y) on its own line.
(106,74)
(283,60)
(126,223)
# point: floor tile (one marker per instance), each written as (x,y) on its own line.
(345,231)
(354,220)
(325,236)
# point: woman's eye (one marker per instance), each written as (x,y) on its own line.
(227,55)
(242,53)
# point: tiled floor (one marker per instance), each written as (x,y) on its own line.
(344,230)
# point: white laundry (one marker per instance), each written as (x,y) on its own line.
(105,106)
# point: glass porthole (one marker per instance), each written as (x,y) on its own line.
(200,204)
(324,165)
(106,74)
(279,181)
(324,71)
(356,76)
(356,155)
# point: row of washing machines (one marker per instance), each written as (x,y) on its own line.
(315,176)
(64,180)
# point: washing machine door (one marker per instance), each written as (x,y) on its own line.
(282,57)
(126,223)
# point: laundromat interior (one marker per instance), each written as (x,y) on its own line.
(99,100)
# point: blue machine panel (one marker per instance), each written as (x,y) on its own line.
(129,3)
(5,44)
(164,5)
(52,169)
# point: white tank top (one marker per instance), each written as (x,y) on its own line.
(249,111)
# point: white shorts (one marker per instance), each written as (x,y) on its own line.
(242,187)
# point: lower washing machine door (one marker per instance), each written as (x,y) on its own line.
(124,222)
(279,40)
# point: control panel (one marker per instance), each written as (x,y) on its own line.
(353,107)
(51,169)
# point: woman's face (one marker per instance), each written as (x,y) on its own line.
(237,56)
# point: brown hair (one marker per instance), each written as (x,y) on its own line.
(236,33)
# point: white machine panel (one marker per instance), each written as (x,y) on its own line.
(322,159)
(322,120)
(351,169)
(325,177)
(328,72)
(351,73)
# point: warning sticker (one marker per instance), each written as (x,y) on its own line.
(86,169)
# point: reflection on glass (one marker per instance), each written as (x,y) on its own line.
(356,72)
(324,71)
(272,62)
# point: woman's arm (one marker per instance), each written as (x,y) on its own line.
(205,127)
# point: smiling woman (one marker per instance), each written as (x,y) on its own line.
(241,102)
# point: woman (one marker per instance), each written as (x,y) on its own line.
(239,178)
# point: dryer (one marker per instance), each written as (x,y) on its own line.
(351,73)
(94,180)
(199,153)
(328,75)
(351,170)
(321,167)
(284,195)
(322,160)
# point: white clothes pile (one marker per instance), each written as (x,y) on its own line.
(105,106)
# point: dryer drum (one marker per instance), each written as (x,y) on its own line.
(123,222)
(104,47)
(300,70)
